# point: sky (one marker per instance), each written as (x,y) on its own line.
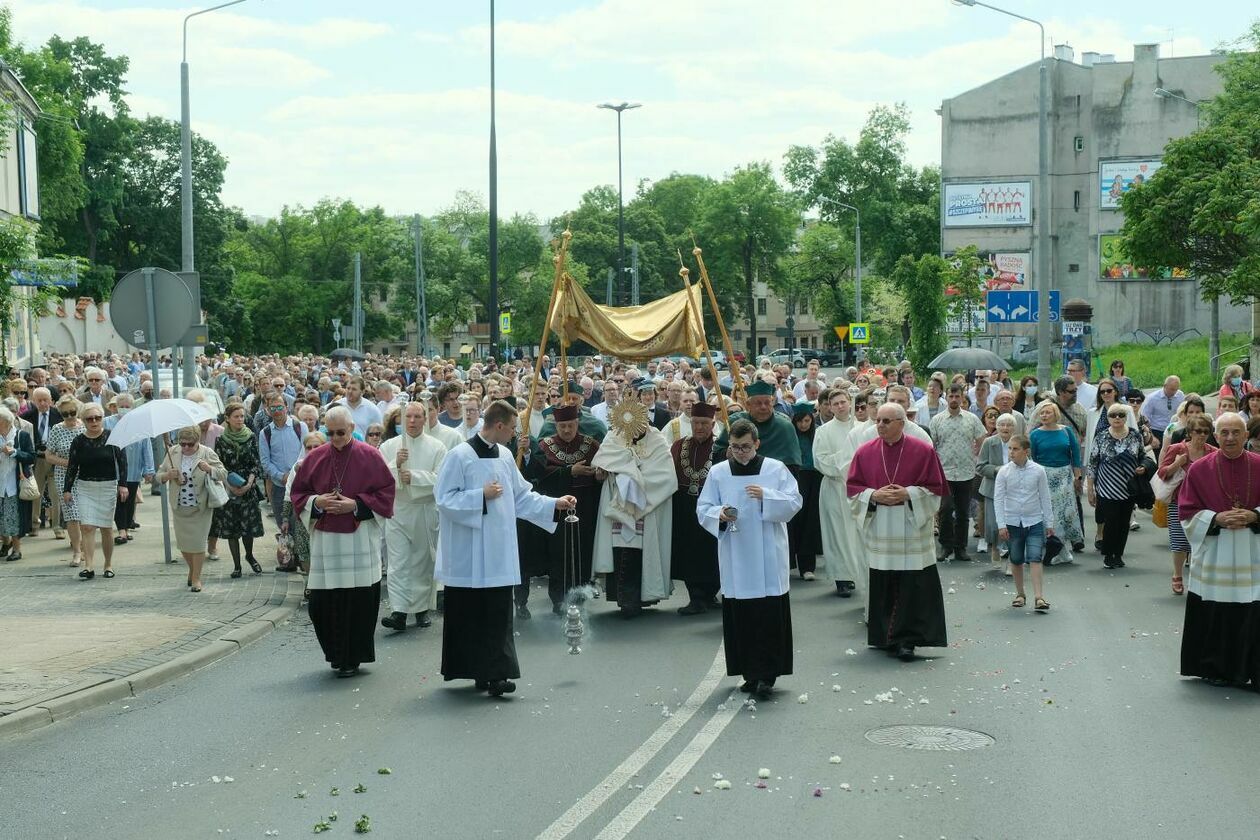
(387,102)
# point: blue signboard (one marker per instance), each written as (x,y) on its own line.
(1018,307)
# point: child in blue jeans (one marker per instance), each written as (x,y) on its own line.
(1021,501)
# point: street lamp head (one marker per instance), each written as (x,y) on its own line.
(964,2)
(624,106)
(1162,93)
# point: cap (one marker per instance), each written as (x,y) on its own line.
(644,385)
(760,389)
(703,410)
(800,409)
(564,413)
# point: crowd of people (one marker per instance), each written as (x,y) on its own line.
(457,485)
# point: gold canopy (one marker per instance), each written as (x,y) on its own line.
(633,333)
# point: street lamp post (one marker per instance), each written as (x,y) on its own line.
(493,314)
(1043,195)
(621,216)
(185,188)
(857,264)
(1214,332)
(422,310)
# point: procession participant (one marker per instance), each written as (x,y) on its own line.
(658,413)
(956,434)
(694,550)
(562,467)
(746,504)
(635,523)
(587,423)
(470,413)
(612,395)
(480,494)
(832,454)
(445,435)
(1022,515)
(774,430)
(867,431)
(805,527)
(895,486)
(1218,502)
(1004,402)
(339,492)
(414,459)
(680,426)
(536,418)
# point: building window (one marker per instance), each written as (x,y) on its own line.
(1076,200)
(761,306)
(446,350)
(803,307)
(28,180)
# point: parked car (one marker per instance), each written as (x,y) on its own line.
(719,360)
(782,355)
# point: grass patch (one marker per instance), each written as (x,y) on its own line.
(1148,365)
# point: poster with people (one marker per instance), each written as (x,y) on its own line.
(1115,264)
(1117,177)
(988,204)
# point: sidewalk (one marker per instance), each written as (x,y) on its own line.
(69,644)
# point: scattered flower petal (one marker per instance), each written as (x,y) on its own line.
(722,784)
(804,698)
(763,773)
(835,759)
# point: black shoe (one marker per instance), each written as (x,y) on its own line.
(962,557)
(441,601)
(762,689)
(255,565)
(747,686)
(1097,545)
(905,653)
(235,573)
(557,609)
(523,613)
(845,588)
(1078,547)
(1119,561)
(423,620)
(348,671)
(498,688)
(87,574)
(693,608)
(1109,562)
(395,621)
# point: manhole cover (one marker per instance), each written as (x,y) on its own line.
(929,737)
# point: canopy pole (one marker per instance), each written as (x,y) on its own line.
(737,382)
(546,333)
(685,274)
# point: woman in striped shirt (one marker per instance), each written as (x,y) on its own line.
(1114,459)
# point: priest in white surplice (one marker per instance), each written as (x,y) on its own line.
(411,536)
(746,503)
(636,513)
(895,487)
(480,494)
(833,451)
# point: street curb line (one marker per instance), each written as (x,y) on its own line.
(69,705)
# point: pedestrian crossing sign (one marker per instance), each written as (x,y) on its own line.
(505,323)
(860,333)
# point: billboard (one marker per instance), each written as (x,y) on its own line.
(1114,263)
(1117,177)
(1005,272)
(988,204)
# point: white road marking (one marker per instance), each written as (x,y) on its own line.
(625,771)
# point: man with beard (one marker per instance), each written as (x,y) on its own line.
(694,550)
(562,467)
(414,459)
(746,504)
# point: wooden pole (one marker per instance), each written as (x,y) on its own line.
(737,382)
(546,333)
(684,273)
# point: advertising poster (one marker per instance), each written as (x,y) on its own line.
(1117,177)
(992,204)
(1114,263)
(1004,272)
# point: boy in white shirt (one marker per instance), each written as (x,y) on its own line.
(1021,501)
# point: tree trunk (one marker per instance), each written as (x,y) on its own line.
(754,347)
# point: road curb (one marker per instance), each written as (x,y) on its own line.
(69,705)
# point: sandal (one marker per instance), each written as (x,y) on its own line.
(1041,605)
(108,573)
(256,566)
(120,540)
(235,573)
(1178,585)
(1019,602)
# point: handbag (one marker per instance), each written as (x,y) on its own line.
(28,490)
(1159,514)
(216,493)
(236,480)
(1166,490)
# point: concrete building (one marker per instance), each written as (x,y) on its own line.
(1108,130)
(772,330)
(19,198)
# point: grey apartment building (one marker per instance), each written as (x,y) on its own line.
(1108,130)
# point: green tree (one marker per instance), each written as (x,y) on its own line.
(922,283)
(964,290)
(819,271)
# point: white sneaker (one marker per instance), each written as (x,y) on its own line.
(808,576)
(1008,571)
(982,546)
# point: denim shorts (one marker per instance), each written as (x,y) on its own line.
(1027,543)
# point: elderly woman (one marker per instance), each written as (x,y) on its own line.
(17,461)
(1174,463)
(1057,449)
(139,457)
(374,435)
(1191,406)
(994,453)
(240,520)
(1233,384)
(64,516)
(299,537)
(96,480)
(1115,457)
(187,470)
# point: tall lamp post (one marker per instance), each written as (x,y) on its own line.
(494,209)
(185,188)
(857,265)
(1043,195)
(1214,333)
(621,216)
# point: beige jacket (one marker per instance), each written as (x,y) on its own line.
(200,477)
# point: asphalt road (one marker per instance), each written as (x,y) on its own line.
(1094,733)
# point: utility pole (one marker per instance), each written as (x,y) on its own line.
(493,314)
(634,274)
(608,295)
(422,311)
(357,318)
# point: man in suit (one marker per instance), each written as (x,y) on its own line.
(96,391)
(42,417)
(658,412)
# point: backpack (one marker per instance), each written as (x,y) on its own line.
(293,424)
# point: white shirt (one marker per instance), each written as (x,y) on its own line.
(1086,394)
(1021,495)
(600,412)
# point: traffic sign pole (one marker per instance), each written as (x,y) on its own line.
(151,309)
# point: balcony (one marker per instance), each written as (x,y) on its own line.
(480,330)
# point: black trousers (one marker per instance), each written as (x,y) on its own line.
(125,512)
(955,516)
(1115,515)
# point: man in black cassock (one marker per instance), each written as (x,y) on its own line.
(695,560)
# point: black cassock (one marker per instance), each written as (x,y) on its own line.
(693,550)
(566,554)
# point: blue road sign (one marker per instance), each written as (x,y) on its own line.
(1018,307)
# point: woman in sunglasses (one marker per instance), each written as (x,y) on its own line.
(187,470)
(1115,457)
(96,479)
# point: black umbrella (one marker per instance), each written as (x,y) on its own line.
(347,353)
(969,358)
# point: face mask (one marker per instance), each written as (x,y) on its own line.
(398,428)
(1236,381)
(122,411)
(1030,389)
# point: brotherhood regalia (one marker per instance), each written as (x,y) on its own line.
(568,561)
(477,559)
(753,558)
(345,576)
(777,434)
(1221,638)
(694,550)
(906,609)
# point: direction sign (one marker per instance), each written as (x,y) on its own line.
(860,333)
(175,311)
(1018,307)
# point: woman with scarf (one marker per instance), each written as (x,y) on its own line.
(240,519)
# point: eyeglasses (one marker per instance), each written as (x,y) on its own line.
(1106,390)
(275,409)
(1198,432)
(884,421)
(338,432)
(742,447)
(187,444)
(1119,416)
(94,419)
(1069,390)
(373,434)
